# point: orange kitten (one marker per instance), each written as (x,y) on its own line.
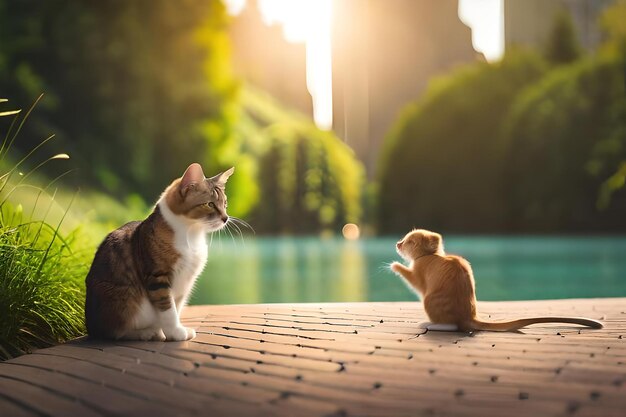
(445,284)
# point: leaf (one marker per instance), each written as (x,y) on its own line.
(9,113)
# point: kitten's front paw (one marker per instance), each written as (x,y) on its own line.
(438,327)
(396,267)
(179,334)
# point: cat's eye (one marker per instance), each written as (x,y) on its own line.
(212,205)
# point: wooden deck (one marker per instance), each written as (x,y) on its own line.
(360,359)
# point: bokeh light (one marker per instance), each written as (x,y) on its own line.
(351,231)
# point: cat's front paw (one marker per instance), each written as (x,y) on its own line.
(191,333)
(179,334)
(159,336)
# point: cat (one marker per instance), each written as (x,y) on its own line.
(142,274)
(445,284)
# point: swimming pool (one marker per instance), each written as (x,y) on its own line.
(284,269)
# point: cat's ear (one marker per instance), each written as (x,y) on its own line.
(192,176)
(220,179)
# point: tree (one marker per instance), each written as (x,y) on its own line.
(566,135)
(135,90)
(612,23)
(441,166)
(562,46)
(309,180)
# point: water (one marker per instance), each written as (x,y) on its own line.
(269,270)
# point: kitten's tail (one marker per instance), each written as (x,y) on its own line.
(505,326)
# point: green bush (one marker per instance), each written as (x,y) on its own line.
(309,181)
(516,146)
(566,137)
(442,161)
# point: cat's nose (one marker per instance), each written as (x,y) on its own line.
(398,245)
(224,218)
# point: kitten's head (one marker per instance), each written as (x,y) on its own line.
(420,242)
(199,199)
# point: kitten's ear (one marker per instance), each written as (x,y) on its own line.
(433,242)
(193,175)
(220,179)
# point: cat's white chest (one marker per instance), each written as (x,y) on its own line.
(190,243)
(192,247)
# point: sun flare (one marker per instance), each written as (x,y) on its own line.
(309,22)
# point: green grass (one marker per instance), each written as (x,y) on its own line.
(42,269)
(41,284)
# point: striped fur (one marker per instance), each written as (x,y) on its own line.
(143,272)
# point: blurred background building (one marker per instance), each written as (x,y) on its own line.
(528,22)
(263,57)
(384,54)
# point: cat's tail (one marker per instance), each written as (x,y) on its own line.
(505,326)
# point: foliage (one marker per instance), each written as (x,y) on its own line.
(572,126)
(41,271)
(441,161)
(567,136)
(562,46)
(489,151)
(308,179)
(612,22)
(135,89)
(41,290)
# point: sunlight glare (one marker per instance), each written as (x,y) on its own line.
(309,22)
(234,7)
(486,19)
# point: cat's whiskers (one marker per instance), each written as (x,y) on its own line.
(243,223)
(241,236)
(230,233)
(237,229)
(232,226)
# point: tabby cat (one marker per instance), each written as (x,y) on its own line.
(143,272)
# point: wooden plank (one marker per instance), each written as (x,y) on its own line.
(19,398)
(32,392)
(12,408)
(343,359)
